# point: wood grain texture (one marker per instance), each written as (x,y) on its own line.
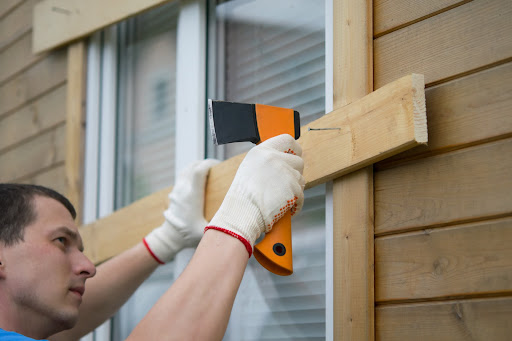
(371,128)
(468,37)
(16,23)
(462,320)
(457,261)
(75,123)
(464,185)
(57,22)
(54,178)
(17,57)
(391,15)
(465,111)
(397,107)
(126,227)
(353,256)
(40,78)
(34,118)
(35,155)
(7,6)
(353,262)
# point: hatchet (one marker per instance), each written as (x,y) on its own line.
(239,122)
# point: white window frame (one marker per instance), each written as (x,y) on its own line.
(99,170)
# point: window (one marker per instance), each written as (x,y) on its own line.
(146,97)
(273,53)
(146,120)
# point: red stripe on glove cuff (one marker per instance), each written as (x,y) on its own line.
(244,241)
(151,252)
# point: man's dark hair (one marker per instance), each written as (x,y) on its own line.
(17,209)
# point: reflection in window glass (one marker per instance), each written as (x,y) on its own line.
(145,133)
(147,90)
(273,52)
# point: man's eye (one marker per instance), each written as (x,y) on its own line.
(61,240)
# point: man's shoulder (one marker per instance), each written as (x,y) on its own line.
(12,336)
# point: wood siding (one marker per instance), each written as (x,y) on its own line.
(443,212)
(443,246)
(32,103)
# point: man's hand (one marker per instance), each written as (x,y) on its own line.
(184,221)
(268,183)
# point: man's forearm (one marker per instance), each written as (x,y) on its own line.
(114,283)
(199,303)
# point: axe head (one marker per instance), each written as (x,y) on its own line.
(239,122)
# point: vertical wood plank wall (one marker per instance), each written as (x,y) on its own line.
(443,212)
(32,103)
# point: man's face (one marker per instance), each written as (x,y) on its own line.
(45,274)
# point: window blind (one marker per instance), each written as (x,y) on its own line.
(146,97)
(145,133)
(273,53)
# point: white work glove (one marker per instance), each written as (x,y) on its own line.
(184,221)
(268,183)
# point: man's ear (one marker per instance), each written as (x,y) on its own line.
(2,264)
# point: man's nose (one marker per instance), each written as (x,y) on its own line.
(84,266)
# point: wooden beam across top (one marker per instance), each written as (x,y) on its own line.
(57,22)
(379,125)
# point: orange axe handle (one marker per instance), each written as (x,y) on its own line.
(274,252)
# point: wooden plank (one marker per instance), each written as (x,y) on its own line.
(464,112)
(57,22)
(16,24)
(396,108)
(35,81)
(391,15)
(28,159)
(75,124)
(34,118)
(54,178)
(7,6)
(352,195)
(457,261)
(353,256)
(479,319)
(121,230)
(17,57)
(461,186)
(452,43)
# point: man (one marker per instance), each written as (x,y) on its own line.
(43,270)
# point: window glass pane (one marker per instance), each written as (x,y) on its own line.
(146,98)
(273,52)
(145,133)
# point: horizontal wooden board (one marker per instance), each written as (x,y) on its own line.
(54,178)
(478,319)
(390,15)
(39,115)
(34,156)
(17,57)
(468,37)
(117,232)
(377,126)
(16,23)
(458,261)
(465,111)
(459,186)
(57,22)
(33,82)
(8,5)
